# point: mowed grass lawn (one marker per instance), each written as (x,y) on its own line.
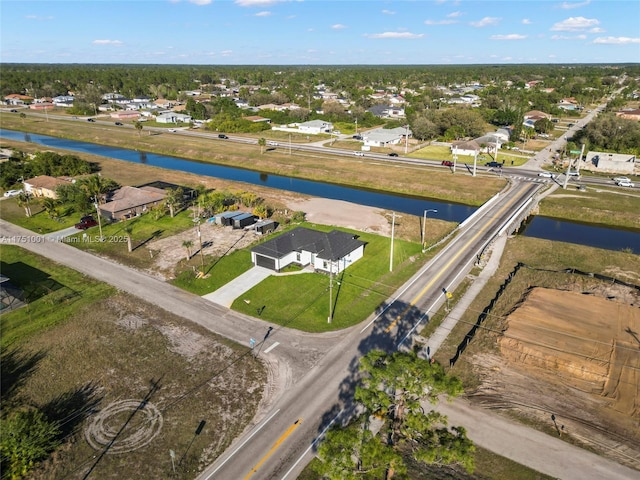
(88,356)
(301,300)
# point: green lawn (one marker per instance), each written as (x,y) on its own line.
(51,293)
(441,152)
(218,272)
(301,300)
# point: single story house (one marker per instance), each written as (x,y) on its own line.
(314,127)
(44,186)
(468,148)
(610,162)
(330,252)
(173,117)
(256,119)
(127,202)
(380,137)
(629,114)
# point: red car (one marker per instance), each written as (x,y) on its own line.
(86,222)
(447,163)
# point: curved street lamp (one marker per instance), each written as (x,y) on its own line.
(424,223)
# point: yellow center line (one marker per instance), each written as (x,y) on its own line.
(445,268)
(275,446)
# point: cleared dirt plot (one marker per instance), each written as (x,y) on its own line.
(590,343)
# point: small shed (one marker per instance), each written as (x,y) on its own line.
(226,218)
(265,226)
(243,220)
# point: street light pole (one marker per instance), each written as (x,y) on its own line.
(406,139)
(329,318)
(424,223)
(98,214)
(393,227)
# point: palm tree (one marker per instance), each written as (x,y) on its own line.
(49,205)
(262,142)
(24,201)
(173,200)
(187,244)
(138,126)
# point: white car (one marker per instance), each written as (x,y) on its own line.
(359,154)
(12,193)
(546,174)
(172,130)
(573,174)
(273,144)
(625,184)
(621,179)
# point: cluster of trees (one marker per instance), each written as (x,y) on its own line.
(610,133)
(394,389)
(21,167)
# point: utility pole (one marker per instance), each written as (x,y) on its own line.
(99,219)
(475,162)
(406,139)
(580,159)
(393,227)
(424,223)
(455,157)
(330,291)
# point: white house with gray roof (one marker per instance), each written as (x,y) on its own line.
(380,137)
(330,252)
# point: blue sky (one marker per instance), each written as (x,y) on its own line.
(319,32)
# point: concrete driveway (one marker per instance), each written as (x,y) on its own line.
(226,294)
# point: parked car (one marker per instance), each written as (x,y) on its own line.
(393,154)
(12,193)
(91,119)
(119,124)
(223,136)
(626,184)
(546,174)
(357,137)
(447,163)
(493,164)
(86,222)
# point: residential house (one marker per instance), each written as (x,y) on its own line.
(44,186)
(173,117)
(63,101)
(315,127)
(569,103)
(466,148)
(17,100)
(256,119)
(330,252)
(630,114)
(386,111)
(127,202)
(379,137)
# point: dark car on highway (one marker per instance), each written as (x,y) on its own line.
(223,136)
(91,119)
(447,163)
(119,124)
(86,222)
(494,164)
(393,154)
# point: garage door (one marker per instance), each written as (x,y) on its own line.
(266,262)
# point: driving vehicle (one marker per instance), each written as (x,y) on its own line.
(86,222)
(273,144)
(223,136)
(546,174)
(13,110)
(91,119)
(447,163)
(357,137)
(625,184)
(119,124)
(573,174)
(393,154)
(621,179)
(359,154)
(493,164)
(12,193)
(172,130)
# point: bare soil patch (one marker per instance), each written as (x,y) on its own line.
(576,357)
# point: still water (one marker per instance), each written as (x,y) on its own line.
(538,227)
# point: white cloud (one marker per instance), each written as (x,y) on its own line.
(526,21)
(574,24)
(200,2)
(263,14)
(511,36)
(616,40)
(338,26)
(568,37)
(226,53)
(455,14)
(485,22)
(388,12)
(36,17)
(569,5)
(394,35)
(439,22)
(117,43)
(597,30)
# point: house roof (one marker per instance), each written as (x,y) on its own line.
(328,246)
(127,198)
(45,181)
(467,145)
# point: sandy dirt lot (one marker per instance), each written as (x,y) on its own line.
(576,357)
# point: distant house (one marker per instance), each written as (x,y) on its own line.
(610,162)
(315,127)
(631,114)
(380,137)
(467,148)
(44,186)
(17,99)
(256,119)
(127,202)
(173,117)
(330,252)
